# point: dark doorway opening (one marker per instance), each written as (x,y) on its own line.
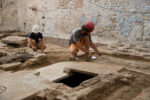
(75,79)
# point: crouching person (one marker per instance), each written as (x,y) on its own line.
(35,39)
(81,40)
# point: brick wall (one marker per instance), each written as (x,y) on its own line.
(126,21)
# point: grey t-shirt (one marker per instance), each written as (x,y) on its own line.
(76,36)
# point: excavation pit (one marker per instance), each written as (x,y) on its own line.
(75,78)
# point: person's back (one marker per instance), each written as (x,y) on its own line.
(37,37)
(81,40)
(75,35)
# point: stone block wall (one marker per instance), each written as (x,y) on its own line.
(117,21)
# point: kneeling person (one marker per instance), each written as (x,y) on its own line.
(81,40)
(35,39)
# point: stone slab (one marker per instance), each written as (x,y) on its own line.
(94,67)
(52,72)
(21,85)
(57,71)
(16,40)
(10,66)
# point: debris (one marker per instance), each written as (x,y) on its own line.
(30,62)
(37,73)
(144,95)
(126,81)
(2,35)
(40,96)
(93,57)
(2,53)
(15,58)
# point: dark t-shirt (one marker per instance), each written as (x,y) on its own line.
(36,37)
(76,36)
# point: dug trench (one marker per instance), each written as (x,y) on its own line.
(118,90)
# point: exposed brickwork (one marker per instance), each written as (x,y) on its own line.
(63,4)
(117,20)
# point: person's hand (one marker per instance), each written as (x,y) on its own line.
(99,53)
(90,55)
(34,48)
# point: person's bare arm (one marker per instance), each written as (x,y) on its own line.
(87,43)
(31,42)
(95,48)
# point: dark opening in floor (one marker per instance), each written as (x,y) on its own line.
(13,45)
(75,79)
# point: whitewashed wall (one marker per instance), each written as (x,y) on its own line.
(125,21)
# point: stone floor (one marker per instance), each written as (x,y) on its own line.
(26,83)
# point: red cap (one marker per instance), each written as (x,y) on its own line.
(89,26)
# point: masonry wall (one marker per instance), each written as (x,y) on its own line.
(126,21)
(8,15)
